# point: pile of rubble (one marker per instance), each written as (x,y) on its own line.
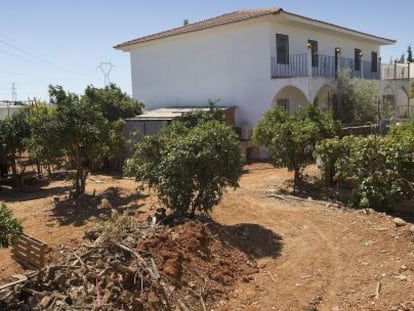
(136,266)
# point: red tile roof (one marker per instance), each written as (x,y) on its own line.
(229,18)
(204,24)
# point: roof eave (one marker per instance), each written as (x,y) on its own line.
(345,30)
(128,46)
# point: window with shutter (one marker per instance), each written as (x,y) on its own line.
(282,48)
(357,59)
(314,50)
(374,62)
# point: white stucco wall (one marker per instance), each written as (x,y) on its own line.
(230,62)
(8,111)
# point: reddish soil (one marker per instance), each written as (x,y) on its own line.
(311,256)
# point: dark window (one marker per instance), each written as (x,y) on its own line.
(283,102)
(314,50)
(357,59)
(374,62)
(282,48)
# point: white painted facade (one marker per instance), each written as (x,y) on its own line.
(233,62)
(6,111)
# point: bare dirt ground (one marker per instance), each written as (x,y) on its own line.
(317,257)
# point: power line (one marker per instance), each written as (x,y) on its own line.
(18,57)
(38,57)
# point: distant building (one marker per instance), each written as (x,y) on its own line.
(8,108)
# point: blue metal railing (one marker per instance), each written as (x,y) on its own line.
(323,66)
(295,66)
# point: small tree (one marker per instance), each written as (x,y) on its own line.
(196,116)
(356,100)
(13,131)
(10,227)
(344,105)
(402,59)
(43,142)
(82,131)
(188,167)
(290,138)
(115,106)
(365,97)
(112,102)
(409,54)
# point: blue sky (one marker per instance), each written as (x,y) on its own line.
(62,42)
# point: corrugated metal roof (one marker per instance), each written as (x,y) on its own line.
(169,113)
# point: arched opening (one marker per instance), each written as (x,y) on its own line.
(388,103)
(290,98)
(324,98)
(402,103)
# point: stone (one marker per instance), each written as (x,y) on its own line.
(45,302)
(399,222)
(403,267)
(401,277)
(411,229)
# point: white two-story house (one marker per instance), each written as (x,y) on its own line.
(252,60)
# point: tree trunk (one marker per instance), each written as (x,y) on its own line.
(296,178)
(77,182)
(83,181)
(80,180)
(14,167)
(39,170)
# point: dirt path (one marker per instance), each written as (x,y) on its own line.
(311,256)
(329,259)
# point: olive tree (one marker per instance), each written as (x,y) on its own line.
(189,167)
(356,99)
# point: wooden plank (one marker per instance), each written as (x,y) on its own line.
(29,242)
(29,247)
(35,260)
(32,240)
(29,252)
(24,255)
(13,283)
(26,263)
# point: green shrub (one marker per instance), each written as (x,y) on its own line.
(10,228)
(378,169)
(289,138)
(188,167)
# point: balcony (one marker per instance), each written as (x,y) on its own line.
(298,65)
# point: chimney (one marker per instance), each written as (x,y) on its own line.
(185,22)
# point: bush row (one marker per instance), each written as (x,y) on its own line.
(379,170)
